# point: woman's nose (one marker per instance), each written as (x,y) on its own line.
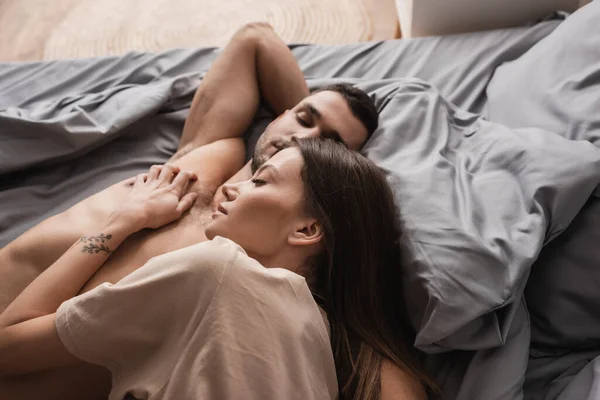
(229,191)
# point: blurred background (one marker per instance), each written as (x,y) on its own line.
(47,30)
(32,30)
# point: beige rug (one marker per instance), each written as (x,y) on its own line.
(54,29)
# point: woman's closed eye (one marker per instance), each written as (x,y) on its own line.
(258,182)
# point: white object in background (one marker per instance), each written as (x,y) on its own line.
(443,17)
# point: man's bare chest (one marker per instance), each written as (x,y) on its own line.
(140,247)
(214,164)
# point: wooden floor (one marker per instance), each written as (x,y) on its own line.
(32,30)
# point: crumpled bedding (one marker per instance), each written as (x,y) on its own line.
(562,96)
(479,199)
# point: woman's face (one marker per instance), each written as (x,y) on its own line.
(261,214)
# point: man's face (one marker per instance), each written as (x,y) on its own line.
(325,114)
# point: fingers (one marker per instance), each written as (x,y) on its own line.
(140,178)
(180,182)
(164,174)
(186,202)
(167,173)
(154,172)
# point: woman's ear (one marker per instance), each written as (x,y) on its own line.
(309,232)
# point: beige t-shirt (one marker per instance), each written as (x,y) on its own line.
(204,322)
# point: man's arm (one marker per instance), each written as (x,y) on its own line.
(255,64)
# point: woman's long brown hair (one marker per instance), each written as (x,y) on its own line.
(357,280)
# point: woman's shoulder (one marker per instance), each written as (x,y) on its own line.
(237,270)
(216,251)
(199,260)
(245,275)
(245,269)
(219,248)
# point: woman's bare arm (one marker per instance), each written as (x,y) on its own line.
(29,341)
(65,278)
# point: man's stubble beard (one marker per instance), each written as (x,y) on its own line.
(258,159)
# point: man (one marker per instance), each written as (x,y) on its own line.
(255,64)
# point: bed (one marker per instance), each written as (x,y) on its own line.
(490,140)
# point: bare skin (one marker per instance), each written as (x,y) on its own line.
(256,64)
(211,146)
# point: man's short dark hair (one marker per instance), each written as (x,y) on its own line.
(361,105)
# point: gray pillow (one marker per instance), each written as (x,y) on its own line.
(556,86)
(478,200)
(562,293)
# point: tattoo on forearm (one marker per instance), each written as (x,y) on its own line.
(95,244)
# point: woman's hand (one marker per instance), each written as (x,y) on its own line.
(157,198)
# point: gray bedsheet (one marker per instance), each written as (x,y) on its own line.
(67,108)
(479,199)
(562,96)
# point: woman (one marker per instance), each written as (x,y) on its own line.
(316,209)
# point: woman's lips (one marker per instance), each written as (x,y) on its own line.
(219,211)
